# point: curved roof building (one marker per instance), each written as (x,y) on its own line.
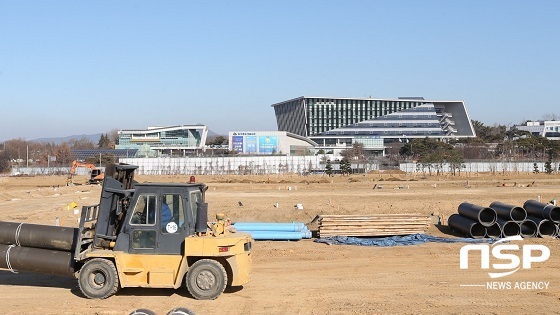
(335,121)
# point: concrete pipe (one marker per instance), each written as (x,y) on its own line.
(509,228)
(485,216)
(495,231)
(466,226)
(509,212)
(36,260)
(545,227)
(38,236)
(542,210)
(528,228)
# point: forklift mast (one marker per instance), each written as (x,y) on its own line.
(106,217)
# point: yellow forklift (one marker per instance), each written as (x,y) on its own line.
(153,235)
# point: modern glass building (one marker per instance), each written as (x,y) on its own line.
(340,122)
(164,141)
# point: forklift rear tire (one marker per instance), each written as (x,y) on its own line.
(206,279)
(98,279)
(181,311)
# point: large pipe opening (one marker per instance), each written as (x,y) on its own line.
(546,228)
(553,213)
(510,228)
(528,228)
(477,230)
(542,210)
(493,231)
(509,212)
(518,214)
(487,217)
(466,226)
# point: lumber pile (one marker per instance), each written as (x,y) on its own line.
(372,225)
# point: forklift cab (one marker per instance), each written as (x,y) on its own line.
(159,218)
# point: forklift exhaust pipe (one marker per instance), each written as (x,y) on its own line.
(17,258)
(38,236)
(201,217)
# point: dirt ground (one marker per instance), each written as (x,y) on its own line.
(304,277)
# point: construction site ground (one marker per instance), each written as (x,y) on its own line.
(304,277)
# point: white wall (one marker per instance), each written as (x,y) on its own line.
(484,167)
(225,165)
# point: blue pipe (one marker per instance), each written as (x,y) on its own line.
(263,226)
(275,235)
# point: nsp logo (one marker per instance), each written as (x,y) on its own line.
(500,251)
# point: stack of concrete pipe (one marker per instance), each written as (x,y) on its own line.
(545,216)
(473,220)
(37,248)
(504,220)
(274,231)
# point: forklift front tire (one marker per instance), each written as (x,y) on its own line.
(206,279)
(98,279)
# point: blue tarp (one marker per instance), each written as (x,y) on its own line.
(413,239)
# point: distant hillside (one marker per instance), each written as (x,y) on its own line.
(212,133)
(93,138)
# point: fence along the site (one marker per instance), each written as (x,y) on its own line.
(480,167)
(282,164)
(245,165)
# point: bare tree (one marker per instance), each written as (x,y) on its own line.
(550,117)
(63,154)
(82,143)
(113,135)
(15,148)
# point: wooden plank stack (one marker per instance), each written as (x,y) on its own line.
(372,225)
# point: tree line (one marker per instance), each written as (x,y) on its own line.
(17,151)
(491,143)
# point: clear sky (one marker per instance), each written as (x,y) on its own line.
(83,67)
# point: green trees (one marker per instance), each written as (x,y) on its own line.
(489,134)
(103,141)
(329,169)
(345,167)
(217,140)
(4,161)
(548,167)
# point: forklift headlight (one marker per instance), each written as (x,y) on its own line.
(247,246)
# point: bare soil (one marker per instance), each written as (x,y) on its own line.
(304,277)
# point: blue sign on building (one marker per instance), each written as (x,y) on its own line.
(268,144)
(250,144)
(237,143)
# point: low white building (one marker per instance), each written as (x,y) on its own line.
(547,129)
